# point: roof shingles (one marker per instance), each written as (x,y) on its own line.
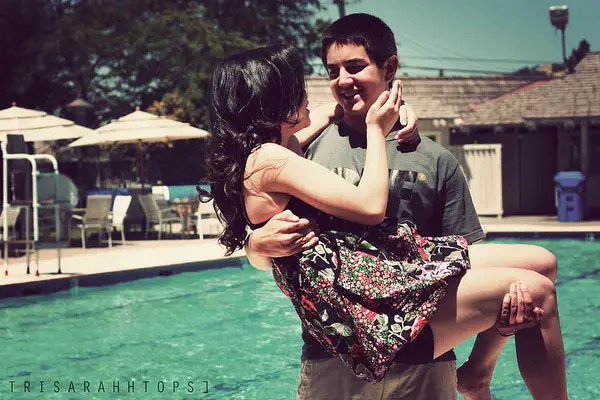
(434,97)
(574,95)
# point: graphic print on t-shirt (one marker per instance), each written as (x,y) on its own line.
(348,174)
(402,187)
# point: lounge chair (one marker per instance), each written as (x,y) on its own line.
(13,214)
(117,216)
(157,216)
(7,237)
(95,218)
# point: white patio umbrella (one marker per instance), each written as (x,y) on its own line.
(139,127)
(38,126)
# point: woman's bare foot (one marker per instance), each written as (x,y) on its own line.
(517,312)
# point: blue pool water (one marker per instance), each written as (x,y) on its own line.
(231,333)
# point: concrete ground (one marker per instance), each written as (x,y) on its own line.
(103,265)
(537,224)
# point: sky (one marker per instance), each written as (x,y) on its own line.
(481,29)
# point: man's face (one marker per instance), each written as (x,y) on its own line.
(354,79)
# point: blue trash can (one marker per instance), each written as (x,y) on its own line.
(570,194)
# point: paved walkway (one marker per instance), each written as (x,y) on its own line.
(537,224)
(138,259)
(96,266)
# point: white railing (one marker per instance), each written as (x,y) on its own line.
(482,166)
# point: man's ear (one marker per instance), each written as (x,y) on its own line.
(391,66)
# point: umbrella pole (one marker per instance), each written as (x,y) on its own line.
(141,155)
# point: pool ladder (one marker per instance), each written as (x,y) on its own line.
(30,206)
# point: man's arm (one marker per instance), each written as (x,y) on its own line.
(320,118)
(283,235)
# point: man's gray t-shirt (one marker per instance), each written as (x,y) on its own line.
(426,186)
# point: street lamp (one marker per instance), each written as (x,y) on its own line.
(341,7)
(559,18)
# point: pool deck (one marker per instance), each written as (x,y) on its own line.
(537,224)
(103,265)
(149,258)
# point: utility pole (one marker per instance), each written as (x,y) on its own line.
(559,18)
(341,7)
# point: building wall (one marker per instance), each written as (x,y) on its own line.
(528,167)
(437,133)
(569,159)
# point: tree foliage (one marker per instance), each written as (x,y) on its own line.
(119,54)
(578,55)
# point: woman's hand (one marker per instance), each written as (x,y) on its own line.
(383,114)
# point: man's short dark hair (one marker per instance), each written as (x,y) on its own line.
(362,30)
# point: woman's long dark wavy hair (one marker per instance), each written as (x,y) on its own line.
(252,93)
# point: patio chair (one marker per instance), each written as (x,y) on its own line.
(95,218)
(161,192)
(7,237)
(117,216)
(67,198)
(206,220)
(157,216)
(13,215)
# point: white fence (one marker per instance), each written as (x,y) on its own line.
(482,166)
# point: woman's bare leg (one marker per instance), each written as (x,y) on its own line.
(472,305)
(475,375)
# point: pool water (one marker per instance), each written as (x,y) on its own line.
(228,334)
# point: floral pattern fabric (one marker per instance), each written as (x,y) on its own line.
(363,296)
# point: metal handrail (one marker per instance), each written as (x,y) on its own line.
(35,203)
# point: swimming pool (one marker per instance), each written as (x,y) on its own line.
(231,333)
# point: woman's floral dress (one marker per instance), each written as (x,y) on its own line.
(363,292)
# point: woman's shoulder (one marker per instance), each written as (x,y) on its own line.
(266,160)
(267,151)
(269,155)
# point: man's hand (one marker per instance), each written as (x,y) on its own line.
(517,311)
(336,112)
(284,235)
(408,119)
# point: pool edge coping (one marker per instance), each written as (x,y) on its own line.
(66,282)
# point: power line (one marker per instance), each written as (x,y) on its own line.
(477,59)
(434,49)
(429,47)
(476,71)
(319,67)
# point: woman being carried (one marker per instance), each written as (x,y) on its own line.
(367,288)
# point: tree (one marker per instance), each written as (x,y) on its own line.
(119,54)
(577,55)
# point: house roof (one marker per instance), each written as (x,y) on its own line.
(434,97)
(574,95)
